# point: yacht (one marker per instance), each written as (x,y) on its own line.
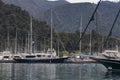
(48,57)
(41,58)
(111,54)
(110,59)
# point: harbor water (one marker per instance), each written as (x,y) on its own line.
(86,71)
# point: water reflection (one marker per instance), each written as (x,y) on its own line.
(5,71)
(110,75)
(12,71)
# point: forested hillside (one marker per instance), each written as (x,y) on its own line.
(14,20)
(67,16)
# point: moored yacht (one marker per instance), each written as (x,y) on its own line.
(40,58)
(110,59)
(111,54)
(31,57)
(6,55)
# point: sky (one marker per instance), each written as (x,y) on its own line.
(92,1)
(77,1)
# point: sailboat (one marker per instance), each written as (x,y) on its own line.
(112,57)
(49,57)
(6,55)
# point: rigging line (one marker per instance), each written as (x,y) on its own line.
(58,19)
(60,41)
(110,33)
(58,33)
(91,19)
(61,23)
(59,36)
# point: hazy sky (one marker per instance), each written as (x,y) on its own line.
(75,1)
(95,1)
(78,1)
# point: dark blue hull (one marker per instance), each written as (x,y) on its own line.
(51,60)
(110,64)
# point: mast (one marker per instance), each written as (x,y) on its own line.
(111,29)
(8,41)
(31,35)
(51,31)
(91,19)
(80,34)
(58,49)
(90,41)
(28,43)
(16,42)
(117,47)
(44,44)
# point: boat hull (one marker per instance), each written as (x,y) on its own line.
(110,64)
(51,60)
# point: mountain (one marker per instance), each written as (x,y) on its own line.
(66,17)
(35,6)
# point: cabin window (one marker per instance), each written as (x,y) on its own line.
(49,55)
(16,56)
(38,55)
(30,56)
(6,56)
(43,55)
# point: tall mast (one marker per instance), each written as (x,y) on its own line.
(51,30)
(31,35)
(44,44)
(91,19)
(16,42)
(28,43)
(58,49)
(90,42)
(80,33)
(8,41)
